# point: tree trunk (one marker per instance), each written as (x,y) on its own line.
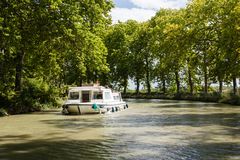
(80,81)
(1,67)
(190,81)
(234,85)
(125,85)
(220,86)
(148,85)
(138,86)
(164,85)
(177,82)
(148,77)
(88,76)
(205,83)
(19,69)
(205,75)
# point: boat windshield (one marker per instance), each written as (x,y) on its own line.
(107,96)
(74,95)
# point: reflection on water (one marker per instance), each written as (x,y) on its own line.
(149,129)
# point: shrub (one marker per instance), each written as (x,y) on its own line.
(3,112)
(35,96)
(230,98)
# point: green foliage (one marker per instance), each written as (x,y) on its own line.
(39,90)
(3,112)
(50,43)
(230,98)
(35,96)
(45,45)
(183,50)
(118,41)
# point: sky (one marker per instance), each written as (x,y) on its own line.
(141,10)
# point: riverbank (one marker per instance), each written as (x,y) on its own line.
(21,106)
(210,97)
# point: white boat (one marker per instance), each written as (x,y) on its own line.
(93,99)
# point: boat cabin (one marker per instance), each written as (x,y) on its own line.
(87,94)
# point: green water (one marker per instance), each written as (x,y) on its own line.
(149,129)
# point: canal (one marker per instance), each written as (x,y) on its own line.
(149,129)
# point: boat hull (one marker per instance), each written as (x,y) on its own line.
(83,108)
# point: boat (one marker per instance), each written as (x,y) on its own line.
(93,99)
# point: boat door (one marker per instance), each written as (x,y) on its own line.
(85,96)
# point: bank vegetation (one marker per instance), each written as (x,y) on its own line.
(48,45)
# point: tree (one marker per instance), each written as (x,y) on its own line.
(200,15)
(137,46)
(215,44)
(229,12)
(50,39)
(53,27)
(119,54)
(168,43)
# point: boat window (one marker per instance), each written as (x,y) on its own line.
(108,95)
(74,95)
(116,97)
(97,95)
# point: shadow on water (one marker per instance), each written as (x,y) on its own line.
(55,149)
(138,120)
(115,149)
(193,120)
(75,123)
(48,112)
(15,137)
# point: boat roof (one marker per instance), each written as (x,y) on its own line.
(116,93)
(88,88)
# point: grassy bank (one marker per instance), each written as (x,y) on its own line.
(210,97)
